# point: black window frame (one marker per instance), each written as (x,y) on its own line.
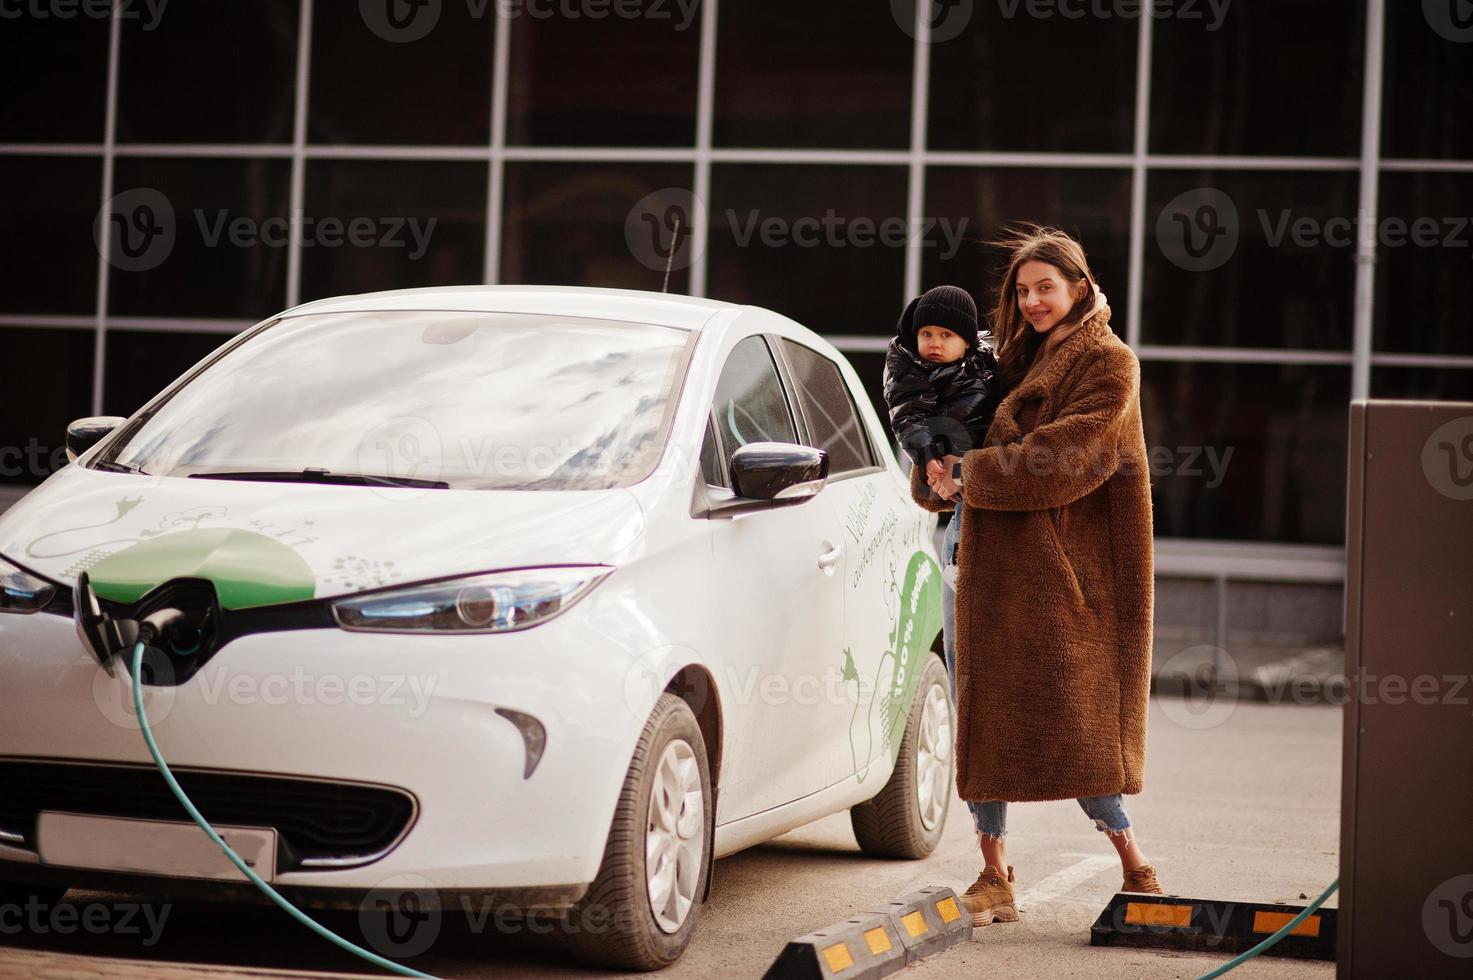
(713,438)
(782,387)
(710,502)
(805,430)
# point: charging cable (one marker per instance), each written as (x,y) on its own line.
(156,624)
(148,632)
(1288,927)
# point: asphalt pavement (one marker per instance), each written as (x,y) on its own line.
(1241,801)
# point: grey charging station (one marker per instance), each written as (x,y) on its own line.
(1406,833)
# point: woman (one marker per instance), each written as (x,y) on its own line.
(1055,583)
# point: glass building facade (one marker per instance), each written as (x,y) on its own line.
(1274,194)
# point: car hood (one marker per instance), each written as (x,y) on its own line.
(266,543)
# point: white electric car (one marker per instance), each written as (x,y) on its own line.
(546,594)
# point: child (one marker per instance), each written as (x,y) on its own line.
(940,384)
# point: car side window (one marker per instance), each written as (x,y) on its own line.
(750,405)
(711,458)
(833,421)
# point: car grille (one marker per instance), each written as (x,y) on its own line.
(321,823)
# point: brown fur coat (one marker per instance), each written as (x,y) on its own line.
(1055,582)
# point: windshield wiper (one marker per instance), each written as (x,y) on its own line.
(313,474)
(113,466)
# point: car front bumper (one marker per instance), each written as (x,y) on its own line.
(413,712)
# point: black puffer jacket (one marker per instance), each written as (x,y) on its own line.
(939,409)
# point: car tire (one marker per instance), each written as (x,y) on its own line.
(906,818)
(617,924)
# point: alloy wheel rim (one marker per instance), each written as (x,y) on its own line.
(675,836)
(933,757)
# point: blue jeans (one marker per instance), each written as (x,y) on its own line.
(948,614)
(1108,813)
(991,816)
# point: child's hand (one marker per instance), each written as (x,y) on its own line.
(934,469)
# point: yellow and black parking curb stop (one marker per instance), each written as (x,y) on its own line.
(1171,922)
(879,942)
(928,921)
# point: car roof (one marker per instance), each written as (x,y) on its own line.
(633,305)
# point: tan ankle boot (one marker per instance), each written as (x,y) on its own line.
(991,897)
(1142,879)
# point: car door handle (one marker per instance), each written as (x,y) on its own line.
(829,559)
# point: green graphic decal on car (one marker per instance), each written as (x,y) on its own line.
(248,569)
(915,623)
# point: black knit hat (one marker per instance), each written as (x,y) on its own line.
(944,306)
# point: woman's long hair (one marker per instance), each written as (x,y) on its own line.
(1017,342)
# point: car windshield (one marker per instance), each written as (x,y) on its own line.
(488,401)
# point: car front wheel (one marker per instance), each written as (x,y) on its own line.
(641,910)
(906,818)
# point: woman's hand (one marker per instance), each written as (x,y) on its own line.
(934,469)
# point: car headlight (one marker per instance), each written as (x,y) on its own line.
(495,602)
(22,592)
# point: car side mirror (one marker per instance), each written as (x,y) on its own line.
(764,475)
(778,471)
(83,434)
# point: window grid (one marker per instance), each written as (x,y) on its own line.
(496,176)
(1365,251)
(1140,163)
(920,91)
(104,242)
(299,147)
(917,158)
(705,120)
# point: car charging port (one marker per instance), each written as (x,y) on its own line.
(178,623)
